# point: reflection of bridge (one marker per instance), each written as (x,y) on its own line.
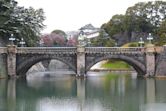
(81,59)
(16,95)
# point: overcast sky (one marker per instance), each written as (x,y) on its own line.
(69,15)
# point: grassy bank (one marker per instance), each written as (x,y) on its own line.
(111,64)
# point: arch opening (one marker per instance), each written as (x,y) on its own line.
(137,65)
(39,61)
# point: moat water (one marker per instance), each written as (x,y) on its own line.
(98,92)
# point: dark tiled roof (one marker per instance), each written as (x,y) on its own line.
(88,26)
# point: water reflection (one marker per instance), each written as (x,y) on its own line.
(150,92)
(153,92)
(103,93)
(11,95)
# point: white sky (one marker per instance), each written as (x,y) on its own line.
(69,15)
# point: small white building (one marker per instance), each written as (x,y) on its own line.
(89,31)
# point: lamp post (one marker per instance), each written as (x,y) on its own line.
(41,43)
(141,42)
(22,42)
(150,38)
(82,39)
(12,39)
(81,54)
(89,42)
(116,44)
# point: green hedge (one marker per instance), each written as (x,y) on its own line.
(115,64)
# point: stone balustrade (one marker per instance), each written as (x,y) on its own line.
(114,50)
(46,50)
(3,50)
(73,50)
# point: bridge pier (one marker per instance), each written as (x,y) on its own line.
(150,60)
(11,60)
(80,61)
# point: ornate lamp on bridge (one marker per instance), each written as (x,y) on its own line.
(150,57)
(82,39)
(12,38)
(22,42)
(141,42)
(81,54)
(11,58)
(150,38)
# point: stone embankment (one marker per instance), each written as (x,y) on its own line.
(37,68)
(31,74)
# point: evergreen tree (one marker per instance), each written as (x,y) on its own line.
(22,22)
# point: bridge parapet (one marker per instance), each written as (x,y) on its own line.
(114,50)
(159,49)
(46,50)
(3,50)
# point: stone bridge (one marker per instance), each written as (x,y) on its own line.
(145,60)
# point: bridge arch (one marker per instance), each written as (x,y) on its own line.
(24,66)
(136,64)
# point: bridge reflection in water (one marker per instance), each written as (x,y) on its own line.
(118,93)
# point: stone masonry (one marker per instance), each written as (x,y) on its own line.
(149,60)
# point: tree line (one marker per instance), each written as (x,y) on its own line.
(142,18)
(58,38)
(25,23)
